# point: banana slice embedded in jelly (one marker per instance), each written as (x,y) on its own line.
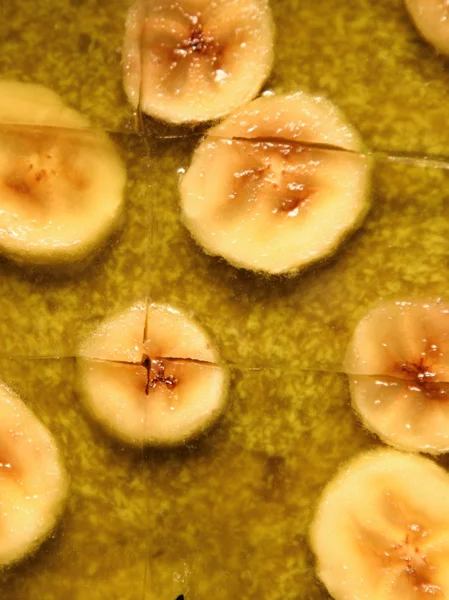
(398,367)
(196,60)
(266,191)
(149,376)
(381,529)
(33,480)
(61,183)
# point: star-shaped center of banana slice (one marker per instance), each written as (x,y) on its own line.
(156,374)
(411,560)
(422,375)
(187,45)
(40,170)
(151,376)
(278,173)
(198,42)
(418,370)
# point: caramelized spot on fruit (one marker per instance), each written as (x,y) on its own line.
(18,185)
(156,374)
(418,370)
(182,47)
(416,565)
(421,376)
(160,376)
(278,172)
(407,558)
(198,43)
(26,180)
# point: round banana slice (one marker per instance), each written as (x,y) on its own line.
(149,376)
(33,482)
(381,530)
(61,185)
(431,18)
(398,366)
(196,60)
(262,196)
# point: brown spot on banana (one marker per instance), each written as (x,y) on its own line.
(198,41)
(18,185)
(417,568)
(156,374)
(159,376)
(278,174)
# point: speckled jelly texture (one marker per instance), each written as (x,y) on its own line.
(227,516)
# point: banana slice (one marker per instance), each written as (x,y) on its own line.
(257,196)
(196,60)
(381,530)
(398,361)
(148,376)
(33,482)
(61,185)
(34,104)
(431,18)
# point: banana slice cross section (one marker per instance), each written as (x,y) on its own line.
(33,480)
(61,184)
(398,366)
(149,376)
(381,529)
(261,195)
(196,60)
(431,18)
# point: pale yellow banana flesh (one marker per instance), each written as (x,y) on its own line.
(156,330)
(120,338)
(170,334)
(148,376)
(404,415)
(61,185)
(33,481)
(254,195)
(381,529)
(398,363)
(297,117)
(196,60)
(431,18)
(34,104)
